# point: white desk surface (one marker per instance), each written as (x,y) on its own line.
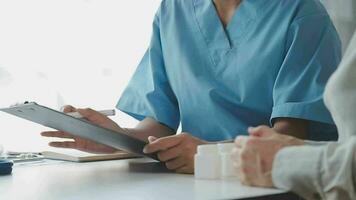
(123,179)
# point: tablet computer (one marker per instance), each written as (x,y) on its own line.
(78,127)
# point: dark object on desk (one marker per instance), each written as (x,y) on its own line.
(78,127)
(6,167)
(284,196)
(148,167)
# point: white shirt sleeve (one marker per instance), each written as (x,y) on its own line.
(340,94)
(318,172)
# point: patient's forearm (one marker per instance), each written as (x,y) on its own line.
(149,127)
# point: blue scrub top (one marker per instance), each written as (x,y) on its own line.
(272,60)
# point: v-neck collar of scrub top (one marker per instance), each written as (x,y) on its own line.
(216,36)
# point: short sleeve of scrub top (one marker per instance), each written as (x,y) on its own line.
(149,94)
(272,61)
(300,83)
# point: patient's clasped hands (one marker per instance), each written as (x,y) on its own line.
(253,155)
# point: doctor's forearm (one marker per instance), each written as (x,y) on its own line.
(293,127)
(150,127)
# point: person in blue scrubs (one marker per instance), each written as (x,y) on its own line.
(218,67)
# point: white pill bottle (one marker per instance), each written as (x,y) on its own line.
(213,161)
(207,162)
(227,167)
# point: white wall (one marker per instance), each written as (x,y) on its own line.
(343,13)
(56,52)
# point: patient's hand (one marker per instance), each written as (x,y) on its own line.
(253,155)
(81,143)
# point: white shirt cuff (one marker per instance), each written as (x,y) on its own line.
(297,169)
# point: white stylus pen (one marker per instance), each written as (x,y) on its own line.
(104,112)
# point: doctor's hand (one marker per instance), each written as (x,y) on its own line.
(253,155)
(81,143)
(176,151)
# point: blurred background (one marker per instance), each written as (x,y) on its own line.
(78,52)
(343,14)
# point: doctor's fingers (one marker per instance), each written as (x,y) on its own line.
(170,154)
(68,108)
(66,144)
(57,134)
(176,163)
(162,144)
(187,169)
(93,115)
